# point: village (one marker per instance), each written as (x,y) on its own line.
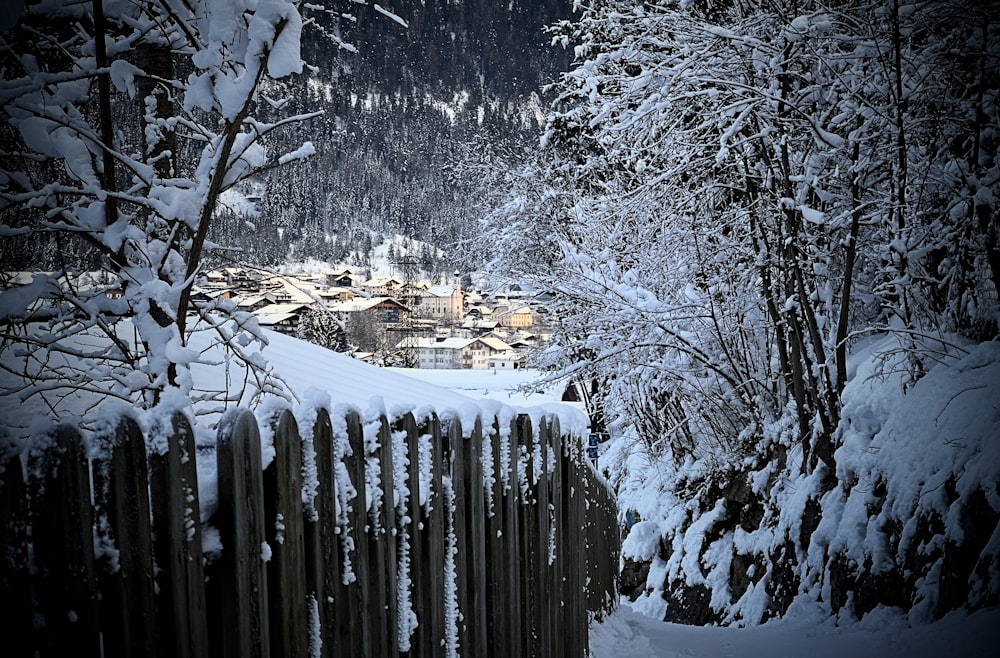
(391,320)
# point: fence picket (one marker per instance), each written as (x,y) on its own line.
(177,544)
(15,582)
(63,541)
(496,605)
(121,482)
(283,530)
(418,642)
(321,551)
(476,541)
(241,526)
(382,551)
(354,616)
(319,576)
(435,541)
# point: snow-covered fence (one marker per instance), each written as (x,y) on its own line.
(379,538)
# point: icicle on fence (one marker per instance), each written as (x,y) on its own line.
(385,539)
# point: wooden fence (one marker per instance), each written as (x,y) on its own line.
(387,538)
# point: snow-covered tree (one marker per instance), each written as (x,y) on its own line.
(126,121)
(730,192)
(320,326)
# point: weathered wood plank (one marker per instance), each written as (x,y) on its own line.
(63,543)
(177,545)
(382,543)
(353,621)
(557,586)
(456,462)
(435,540)
(241,527)
(497,606)
(414,560)
(15,582)
(287,606)
(512,542)
(475,615)
(320,533)
(121,482)
(543,550)
(528,535)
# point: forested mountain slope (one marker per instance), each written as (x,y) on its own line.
(412,117)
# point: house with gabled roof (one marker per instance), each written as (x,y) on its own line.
(454,353)
(383,286)
(281,317)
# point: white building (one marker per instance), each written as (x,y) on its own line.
(443,303)
(455,353)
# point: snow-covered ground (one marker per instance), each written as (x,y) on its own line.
(804,631)
(514,387)
(803,634)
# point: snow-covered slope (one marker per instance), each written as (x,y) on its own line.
(910,518)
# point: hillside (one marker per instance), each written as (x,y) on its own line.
(909,519)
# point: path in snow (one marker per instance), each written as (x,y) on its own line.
(882,634)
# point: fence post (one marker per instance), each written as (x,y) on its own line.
(241,526)
(121,481)
(287,607)
(415,559)
(458,544)
(63,540)
(321,552)
(15,581)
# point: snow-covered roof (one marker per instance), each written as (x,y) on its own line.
(362,304)
(275,313)
(440,291)
(494,343)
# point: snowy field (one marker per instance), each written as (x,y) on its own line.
(513,387)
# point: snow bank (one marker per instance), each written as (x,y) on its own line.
(908,520)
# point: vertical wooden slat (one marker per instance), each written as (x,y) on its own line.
(556,587)
(543,595)
(382,545)
(418,566)
(475,614)
(63,543)
(283,530)
(15,583)
(578,521)
(459,468)
(528,533)
(177,545)
(435,541)
(128,606)
(512,543)
(497,607)
(321,553)
(353,620)
(241,526)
